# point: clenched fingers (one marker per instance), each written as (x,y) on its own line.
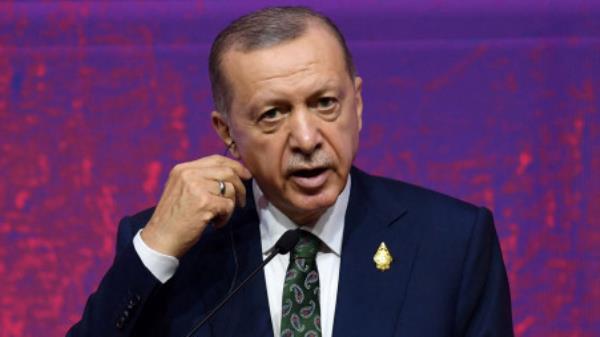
(197,193)
(234,187)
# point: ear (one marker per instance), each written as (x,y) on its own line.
(358,100)
(221,125)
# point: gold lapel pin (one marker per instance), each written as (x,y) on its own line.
(382,258)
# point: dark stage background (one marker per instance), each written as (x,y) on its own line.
(495,102)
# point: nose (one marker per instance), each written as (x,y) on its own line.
(305,135)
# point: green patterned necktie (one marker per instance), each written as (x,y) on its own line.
(301,314)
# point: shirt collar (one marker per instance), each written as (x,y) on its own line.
(329,228)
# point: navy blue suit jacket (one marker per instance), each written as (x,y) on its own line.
(447,279)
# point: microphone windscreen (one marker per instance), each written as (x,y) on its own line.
(287,241)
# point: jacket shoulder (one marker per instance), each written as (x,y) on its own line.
(429,206)
(411,193)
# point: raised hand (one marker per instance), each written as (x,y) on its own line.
(197,193)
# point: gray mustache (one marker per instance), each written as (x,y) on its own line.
(315,160)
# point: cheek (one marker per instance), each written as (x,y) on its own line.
(347,147)
(262,156)
(345,139)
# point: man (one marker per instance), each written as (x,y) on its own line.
(289,108)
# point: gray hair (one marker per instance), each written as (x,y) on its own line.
(262,29)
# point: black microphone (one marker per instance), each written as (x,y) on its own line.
(285,243)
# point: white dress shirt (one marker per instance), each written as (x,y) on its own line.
(329,229)
(273,223)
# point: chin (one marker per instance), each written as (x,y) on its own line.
(315,202)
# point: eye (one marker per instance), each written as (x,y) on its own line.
(326,103)
(270,120)
(270,115)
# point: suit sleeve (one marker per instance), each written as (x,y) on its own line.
(117,303)
(484,305)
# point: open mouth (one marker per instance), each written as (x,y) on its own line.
(310,179)
(309,173)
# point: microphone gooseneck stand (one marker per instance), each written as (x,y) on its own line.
(285,243)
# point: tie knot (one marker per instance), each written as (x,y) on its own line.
(307,247)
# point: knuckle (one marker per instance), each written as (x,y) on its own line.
(197,194)
(233,188)
(186,175)
(241,190)
(175,170)
(207,216)
(202,198)
(229,171)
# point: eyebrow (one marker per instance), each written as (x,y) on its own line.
(273,98)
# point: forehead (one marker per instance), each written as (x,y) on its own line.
(316,55)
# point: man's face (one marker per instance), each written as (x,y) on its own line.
(295,119)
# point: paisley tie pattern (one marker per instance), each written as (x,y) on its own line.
(301,315)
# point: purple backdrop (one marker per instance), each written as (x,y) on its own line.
(495,102)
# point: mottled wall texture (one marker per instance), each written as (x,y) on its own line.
(495,102)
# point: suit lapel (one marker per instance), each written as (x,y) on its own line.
(369,301)
(247,313)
